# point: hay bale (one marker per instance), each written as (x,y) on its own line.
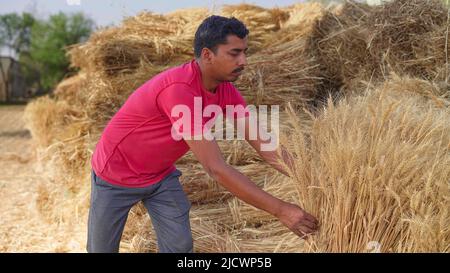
(113,54)
(375,168)
(260,22)
(48,119)
(188,20)
(106,96)
(338,44)
(301,20)
(303,13)
(279,75)
(69,88)
(146,37)
(60,132)
(397,26)
(431,59)
(363,43)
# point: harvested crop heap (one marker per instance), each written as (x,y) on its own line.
(368,124)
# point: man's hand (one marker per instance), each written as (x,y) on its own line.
(209,155)
(297,220)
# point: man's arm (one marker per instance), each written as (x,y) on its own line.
(271,157)
(209,155)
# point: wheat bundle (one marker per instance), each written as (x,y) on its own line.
(375,169)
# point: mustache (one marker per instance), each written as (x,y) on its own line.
(238,70)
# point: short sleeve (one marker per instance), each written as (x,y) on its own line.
(236,101)
(178,103)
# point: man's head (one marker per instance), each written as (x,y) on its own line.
(220,44)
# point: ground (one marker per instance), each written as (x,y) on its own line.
(22,228)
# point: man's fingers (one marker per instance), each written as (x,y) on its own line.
(301,223)
(308,224)
(311,218)
(305,229)
(301,233)
(309,221)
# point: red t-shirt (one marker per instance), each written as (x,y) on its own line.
(137,147)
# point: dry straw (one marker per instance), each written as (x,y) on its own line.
(260,22)
(372,167)
(361,42)
(375,168)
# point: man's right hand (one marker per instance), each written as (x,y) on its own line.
(297,220)
(209,155)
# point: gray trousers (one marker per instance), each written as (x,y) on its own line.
(166,203)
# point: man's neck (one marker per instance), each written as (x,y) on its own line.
(208,82)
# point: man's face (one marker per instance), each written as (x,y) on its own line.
(230,59)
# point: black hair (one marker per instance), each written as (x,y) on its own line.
(214,31)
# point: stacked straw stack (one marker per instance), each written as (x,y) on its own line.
(368,125)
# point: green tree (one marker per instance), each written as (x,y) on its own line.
(15,36)
(15,32)
(49,40)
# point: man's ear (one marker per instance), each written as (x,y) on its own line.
(207,55)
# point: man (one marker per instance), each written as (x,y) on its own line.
(134,158)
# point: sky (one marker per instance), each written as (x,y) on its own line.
(107,12)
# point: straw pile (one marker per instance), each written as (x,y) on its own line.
(302,17)
(398,27)
(113,63)
(261,22)
(279,75)
(366,43)
(376,159)
(146,37)
(376,169)
(222,225)
(61,135)
(283,73)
